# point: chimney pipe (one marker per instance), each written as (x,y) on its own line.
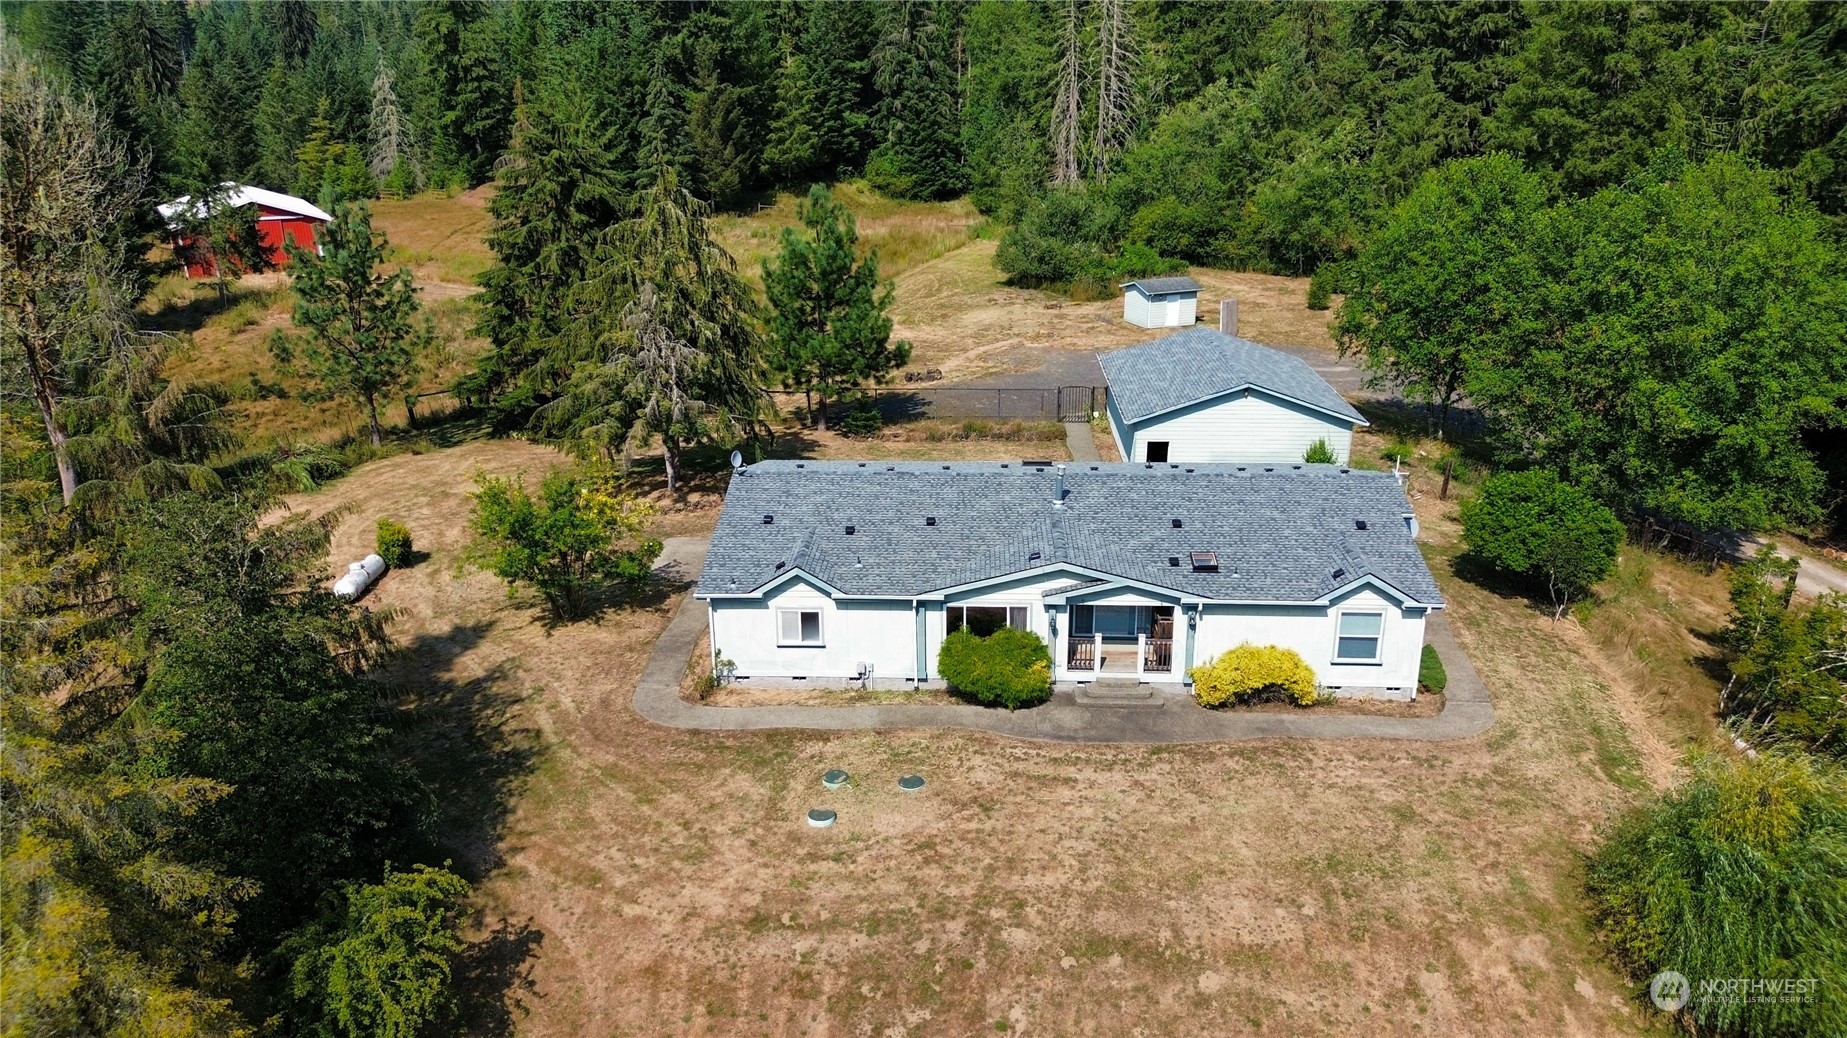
(1228,316)
(1058,498)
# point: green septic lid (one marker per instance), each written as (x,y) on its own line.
(834,779)
(911,783)
(821,817)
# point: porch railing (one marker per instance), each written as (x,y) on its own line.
(1158,655)
(1084,653)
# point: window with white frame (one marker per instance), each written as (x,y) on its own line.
(982,621)
(799,627)
(1358,638)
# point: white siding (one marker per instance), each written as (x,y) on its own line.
(1124,436)
(1248,427)
(1167,310)
(1310,630)
(882,633)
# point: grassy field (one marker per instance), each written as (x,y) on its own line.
(641,881)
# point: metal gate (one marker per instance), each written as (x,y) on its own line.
(1076,403)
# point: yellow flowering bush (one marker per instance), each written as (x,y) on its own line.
(1240,674)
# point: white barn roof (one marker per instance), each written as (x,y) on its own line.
(239,195)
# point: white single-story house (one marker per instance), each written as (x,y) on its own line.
(1161,302)
(825,573)
(1202,395)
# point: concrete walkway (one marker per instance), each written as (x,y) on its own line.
(1466,711)
(1079,442)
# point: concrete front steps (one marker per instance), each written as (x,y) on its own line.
(1129,693)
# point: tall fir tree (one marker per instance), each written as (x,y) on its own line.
(920,156)
(824,96)
(829,321)
(558,190)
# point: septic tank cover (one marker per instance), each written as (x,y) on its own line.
(821,817)
(911,783)
(834,779)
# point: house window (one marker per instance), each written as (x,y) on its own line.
(799,627)
(1359,637)
(1157,450)
(982,621)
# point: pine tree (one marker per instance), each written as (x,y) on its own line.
(830,323)
(461,99)
(363,340)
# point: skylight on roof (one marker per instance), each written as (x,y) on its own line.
(1205,561)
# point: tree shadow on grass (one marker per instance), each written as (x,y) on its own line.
(461,734)
(1467,567)
(494,979)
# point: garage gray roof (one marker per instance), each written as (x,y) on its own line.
(1162,286)
(1199,364)
(1282,533)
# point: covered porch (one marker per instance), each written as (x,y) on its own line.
(1119,639)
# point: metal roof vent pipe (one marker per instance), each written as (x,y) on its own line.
(1058,495)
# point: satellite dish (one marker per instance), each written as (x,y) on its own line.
(737,459)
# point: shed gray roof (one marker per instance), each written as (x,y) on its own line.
(1162,286)
(1199,364)
(1283,533)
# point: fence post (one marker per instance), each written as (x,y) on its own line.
(1448,467)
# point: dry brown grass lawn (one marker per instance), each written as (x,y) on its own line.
(906,234)
(962,319)
(663,881)
(437,236)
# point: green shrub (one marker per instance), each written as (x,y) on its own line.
(1008,668)
(1544,531)
(1319,453)
(393,543)
(1430,672)
(576,534)
(1740,872)
(1250,672)
(864,421)
(1321,288)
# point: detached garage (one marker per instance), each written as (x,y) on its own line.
(1161,302)
(279,218)
(1202,395)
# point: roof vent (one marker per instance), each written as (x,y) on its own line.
(891,468)
(1359,524)
(1003,464)
(851,530)
(768,518)
(929,520)
(1189,468)
(801,465)
(862,464)
(1344,470)
(1034,557)
(945,468)
(1173,560)
(1178,524)
(1147,464)
(1269,468)
(780,565)
(1093,468)
(1205,561)
(1339,573)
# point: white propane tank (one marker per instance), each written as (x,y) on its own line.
(359,576)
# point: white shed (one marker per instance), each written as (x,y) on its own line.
(1161,302)
(1202,395)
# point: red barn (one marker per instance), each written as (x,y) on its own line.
(280,218)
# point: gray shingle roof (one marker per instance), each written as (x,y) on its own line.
(1199,364)
(1281,531)
(1162,286)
